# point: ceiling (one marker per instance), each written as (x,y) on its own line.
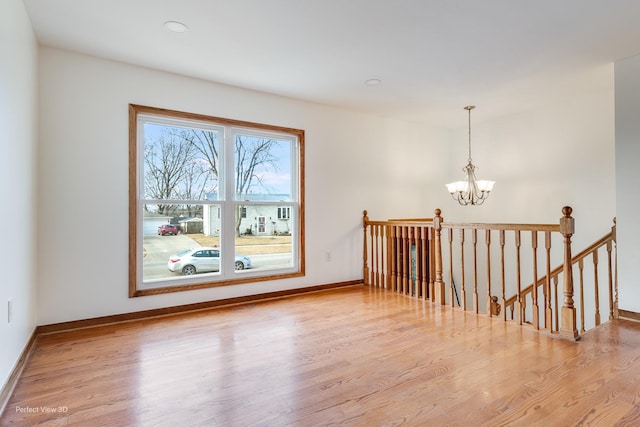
(433,57)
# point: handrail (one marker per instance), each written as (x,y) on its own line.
(411,220)
(401,222)
(498,226)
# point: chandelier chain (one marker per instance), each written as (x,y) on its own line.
(469,108)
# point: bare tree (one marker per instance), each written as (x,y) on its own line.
(251,155)
(167,165)
(193,187)
(183,164)
(204,142)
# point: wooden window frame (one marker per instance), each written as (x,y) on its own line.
(135,249)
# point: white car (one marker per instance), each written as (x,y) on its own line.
(200,260)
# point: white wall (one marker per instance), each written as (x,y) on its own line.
(560,153)
(18,53)
(627,78)
(353,162)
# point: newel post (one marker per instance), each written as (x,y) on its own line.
(439,296)
(568,327)
(365,266)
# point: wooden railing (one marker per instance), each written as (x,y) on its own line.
(400,254)
(406,256)
(604,244)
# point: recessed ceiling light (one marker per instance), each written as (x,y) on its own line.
(175,26)
(372,82)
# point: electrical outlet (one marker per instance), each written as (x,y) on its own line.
(327,256)
(9,311)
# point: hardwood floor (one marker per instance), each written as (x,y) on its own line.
(354,356)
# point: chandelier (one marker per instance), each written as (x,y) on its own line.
(470,191)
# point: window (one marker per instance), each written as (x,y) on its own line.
(231,188)
(284,213)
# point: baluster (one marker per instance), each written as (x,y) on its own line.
(451,288)
(391,256)
(380,251)
(374,256)
(462,277)
(365,266)
(413,262)
(438,283)
(384,248)
(409,269)
(416,262)
(502,278)
(581,275)
(376,261)
(410,265)
(488,241)
(424,232)
(534,246)
(555,297)
(417,245)
(417,282)
(548,312)
(432,262)
(398,258)
(519,305)
(474,241)
(610,282)
(404,260)
(596,286)
(400,254)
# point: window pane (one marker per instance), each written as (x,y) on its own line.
(263,168)
(180,163)
(264,238)
(179,244)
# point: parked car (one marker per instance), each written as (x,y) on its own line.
(165,229)
(203,259)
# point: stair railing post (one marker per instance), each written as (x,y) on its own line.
(568,327)
(365,267)
(438,283)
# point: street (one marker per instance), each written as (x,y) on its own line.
(158,249)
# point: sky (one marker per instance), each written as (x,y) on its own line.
(274,180)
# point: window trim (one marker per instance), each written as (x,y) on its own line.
(134,195)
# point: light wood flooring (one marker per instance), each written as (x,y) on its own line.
(346,357)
